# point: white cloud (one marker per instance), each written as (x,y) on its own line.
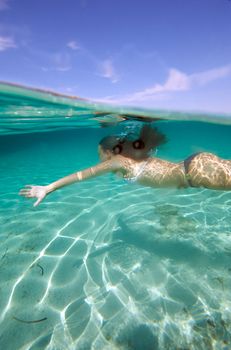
(7,43)
(107,70)
(206,77)
(175,82)
(4,5)
(73,45)
(60,62)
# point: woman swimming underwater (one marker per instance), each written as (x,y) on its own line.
(132,160)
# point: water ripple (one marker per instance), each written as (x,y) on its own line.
(125,267)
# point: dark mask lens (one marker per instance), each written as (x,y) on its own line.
(117,149)
(138,144)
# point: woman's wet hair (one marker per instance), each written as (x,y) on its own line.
(152,137)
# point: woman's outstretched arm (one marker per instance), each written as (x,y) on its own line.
(40,192)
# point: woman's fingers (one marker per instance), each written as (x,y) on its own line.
(26,191)
(30,191)
(23,192)
(37,202)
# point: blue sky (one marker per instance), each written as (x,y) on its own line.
(170,54)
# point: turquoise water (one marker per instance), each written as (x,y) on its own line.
(107,264)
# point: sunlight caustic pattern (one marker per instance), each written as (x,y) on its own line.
(104,264)
(94,278)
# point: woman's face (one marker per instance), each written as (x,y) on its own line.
(137,147)
(104,154)
(126,148)
(108,148)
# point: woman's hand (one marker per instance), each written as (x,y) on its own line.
(30,191)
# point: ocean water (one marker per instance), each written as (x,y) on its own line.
(107,264)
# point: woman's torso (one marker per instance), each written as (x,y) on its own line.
(155,172)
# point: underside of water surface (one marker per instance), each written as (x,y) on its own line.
(107,264)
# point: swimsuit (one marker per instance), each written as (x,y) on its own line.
(137,172)
(187,163)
